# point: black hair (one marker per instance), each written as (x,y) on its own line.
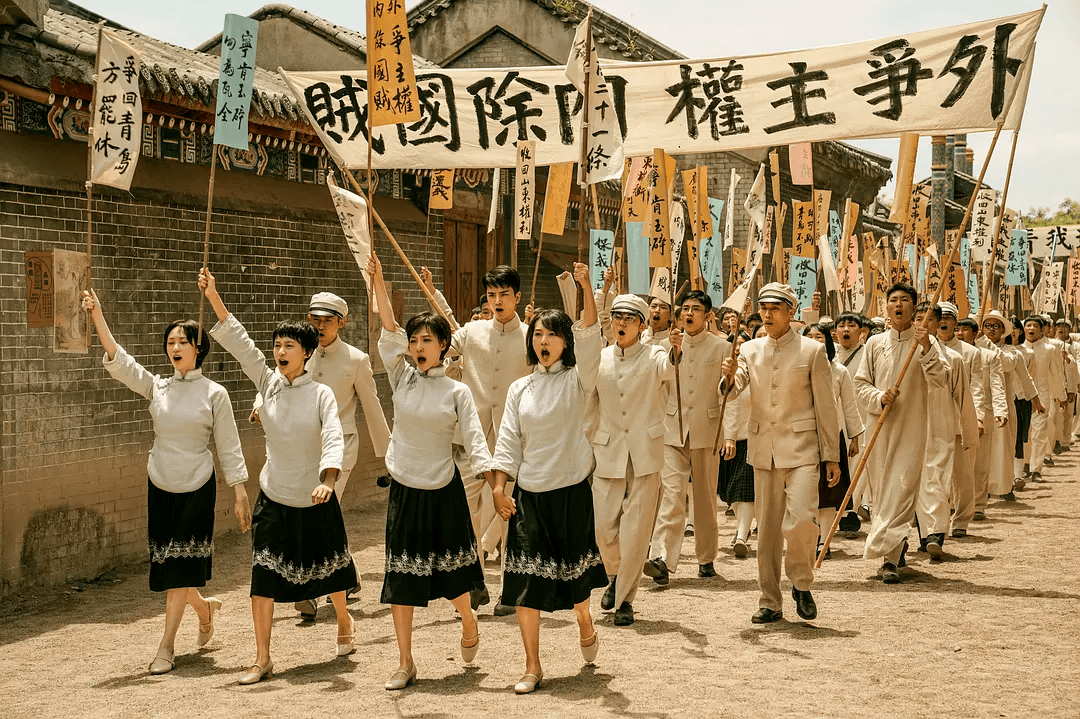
(678,313)
(725,311)
(935,310)
(438,326)
(756,317)
(1035,318)
(968,322)
(191,331)
(745,337)
(696,295)
(905,288)
(830,346)
(558,322)
(503,276)
(662,301)
(300,330)
(851,317)
(476,310)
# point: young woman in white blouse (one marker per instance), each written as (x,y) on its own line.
(187,410)
(430,542)
(299,549)
(552,561)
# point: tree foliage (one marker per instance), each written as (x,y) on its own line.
(1068,213)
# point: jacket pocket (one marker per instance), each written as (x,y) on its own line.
(657,431)
(672,409)
(601,438)
(752,426)
(714,413)
(804,425)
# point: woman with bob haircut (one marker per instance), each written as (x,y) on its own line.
(430,543)
(187,410)
(299,549)
(552,561)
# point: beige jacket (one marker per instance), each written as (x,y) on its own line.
(793,416)
(700,370)
(347,371)
(629,412)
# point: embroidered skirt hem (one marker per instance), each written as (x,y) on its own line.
(180,536)
(299,552)
(552,561)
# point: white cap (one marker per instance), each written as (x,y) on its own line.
(631,303)
(327,304)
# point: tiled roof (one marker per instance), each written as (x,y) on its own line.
(345,38)
(169,73)
(608,30)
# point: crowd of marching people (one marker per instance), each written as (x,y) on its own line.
(582,450)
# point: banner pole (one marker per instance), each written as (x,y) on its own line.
(992,258)
(90,188)
(947,260)
(206,232)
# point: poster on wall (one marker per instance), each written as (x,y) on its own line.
(39,289)
(70,322)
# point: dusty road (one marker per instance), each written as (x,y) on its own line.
(992,631)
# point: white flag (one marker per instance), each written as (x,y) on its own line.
(604,157)
(729,219)
(117,114)
(352,212)
(495,200)
(677,225)
(828,268)
(755,201)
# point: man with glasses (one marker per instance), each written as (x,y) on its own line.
(629,448)
(688,448)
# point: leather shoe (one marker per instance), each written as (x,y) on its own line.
(1010,497)
(889,573)
(624,615)
(401,679)
(864,512)
(850,522)
(933,546)
(739,548)
(1036,477)
(657,570)
(766,616)
(706,570)
(608,600)
(504,610)
(804,603)
(959,533)
(257,673)
(978,516)
(307,609)
(1019,484)
(205,635)
(529,683)
(478,596)
(163,663)
(590,647)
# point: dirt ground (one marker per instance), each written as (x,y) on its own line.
(992,631)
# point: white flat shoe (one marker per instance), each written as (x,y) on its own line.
(257,673)
(345,641)
(163,663)
(468,652)
(206,631)
(590,650)
(400,679)
(529,683)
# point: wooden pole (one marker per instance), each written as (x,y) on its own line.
(536,271)
(678,355)
(992,259)
(206,233)
(946,262)
(90,190)
(584,139)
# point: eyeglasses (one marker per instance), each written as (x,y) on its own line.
(623,316)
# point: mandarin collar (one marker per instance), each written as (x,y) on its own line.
(555,368)
(907,334)
(783,340)
(331,348)
(508,326)
(632,351)
(436,371)
(190,376)
(299,381)
(695,339)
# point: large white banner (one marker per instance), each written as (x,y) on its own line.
(957,79)
(117,114)
(1041,239)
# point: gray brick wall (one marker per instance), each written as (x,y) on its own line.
(75,442)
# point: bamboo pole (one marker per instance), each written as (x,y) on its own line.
(992,260)
(206,233)
(583,138)
(947,262)
(90,189)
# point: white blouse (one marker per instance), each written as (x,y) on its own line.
(428,408)
(186,410)
(300,419)
(542,439)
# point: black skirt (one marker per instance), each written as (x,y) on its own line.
(1023,424)
(299,552)
(552,561)
(180,536)
(430,545)
(834,496)
(736,481)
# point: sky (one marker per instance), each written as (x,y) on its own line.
(1047,165)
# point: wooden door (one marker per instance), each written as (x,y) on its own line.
(462,267)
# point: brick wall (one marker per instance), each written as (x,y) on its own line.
(75,442)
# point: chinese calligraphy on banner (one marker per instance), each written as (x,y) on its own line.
(659,227)
(352,213)
(394,97)
(802,276)
(1046,294)
(236,76)
(1042,239)
(1016,269)
(982,224)
(801,163)
(1072,294)
(524,191)
(957,79)
(712,265)
(601,243)
(118,114)
(441,196)
(802,231)
(604,155)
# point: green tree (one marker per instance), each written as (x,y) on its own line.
(1068,213)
